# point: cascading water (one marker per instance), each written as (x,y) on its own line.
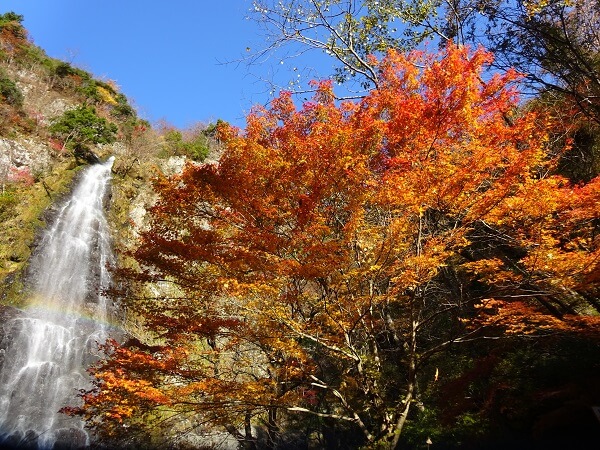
(57,337)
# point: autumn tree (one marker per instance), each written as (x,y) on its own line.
(553,43)
(13,36)
(315,271)
(346,30)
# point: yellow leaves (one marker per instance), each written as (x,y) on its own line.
(493,271)
(530,202)
(106,95)
(417,270)
(191,389)
(567,269)
(120,395)
(534,7)
(152,394)
(119,381)
(484,267)
(320,227)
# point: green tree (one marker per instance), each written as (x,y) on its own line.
(195,142)
(9,92)
(554,43)
(80,127)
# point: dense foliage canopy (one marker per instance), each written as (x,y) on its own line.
(311,287)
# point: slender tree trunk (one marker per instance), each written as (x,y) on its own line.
(272,429)
(245,440)
(250,441)
(410,391)
(412,353)
(391,439)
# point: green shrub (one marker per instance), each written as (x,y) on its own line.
(9,92)
(64,69)
(197,149)
(35,55)
(12,23)
(81,80)
(89,89)
(122,109)
(10,17)
(195,145)
(81,126)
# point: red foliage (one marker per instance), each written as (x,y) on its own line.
(341,236)
(20,175)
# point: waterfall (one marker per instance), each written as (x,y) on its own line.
(57,336)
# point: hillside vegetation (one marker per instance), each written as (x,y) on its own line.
(55,119)
(417,268)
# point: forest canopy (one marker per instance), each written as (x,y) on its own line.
(345,265)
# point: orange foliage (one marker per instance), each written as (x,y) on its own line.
(334,248)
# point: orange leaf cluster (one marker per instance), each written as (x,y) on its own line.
(331,239)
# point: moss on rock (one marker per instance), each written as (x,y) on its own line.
(22,214)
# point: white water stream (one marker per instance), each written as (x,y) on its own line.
(56,338)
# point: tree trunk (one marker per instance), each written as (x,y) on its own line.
(411,381)
(272,429)
(246,440)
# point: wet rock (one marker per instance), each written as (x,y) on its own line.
(70,439)
(7,313)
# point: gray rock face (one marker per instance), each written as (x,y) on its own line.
(7,313)
(26,153)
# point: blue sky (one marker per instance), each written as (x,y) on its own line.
(175,60)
